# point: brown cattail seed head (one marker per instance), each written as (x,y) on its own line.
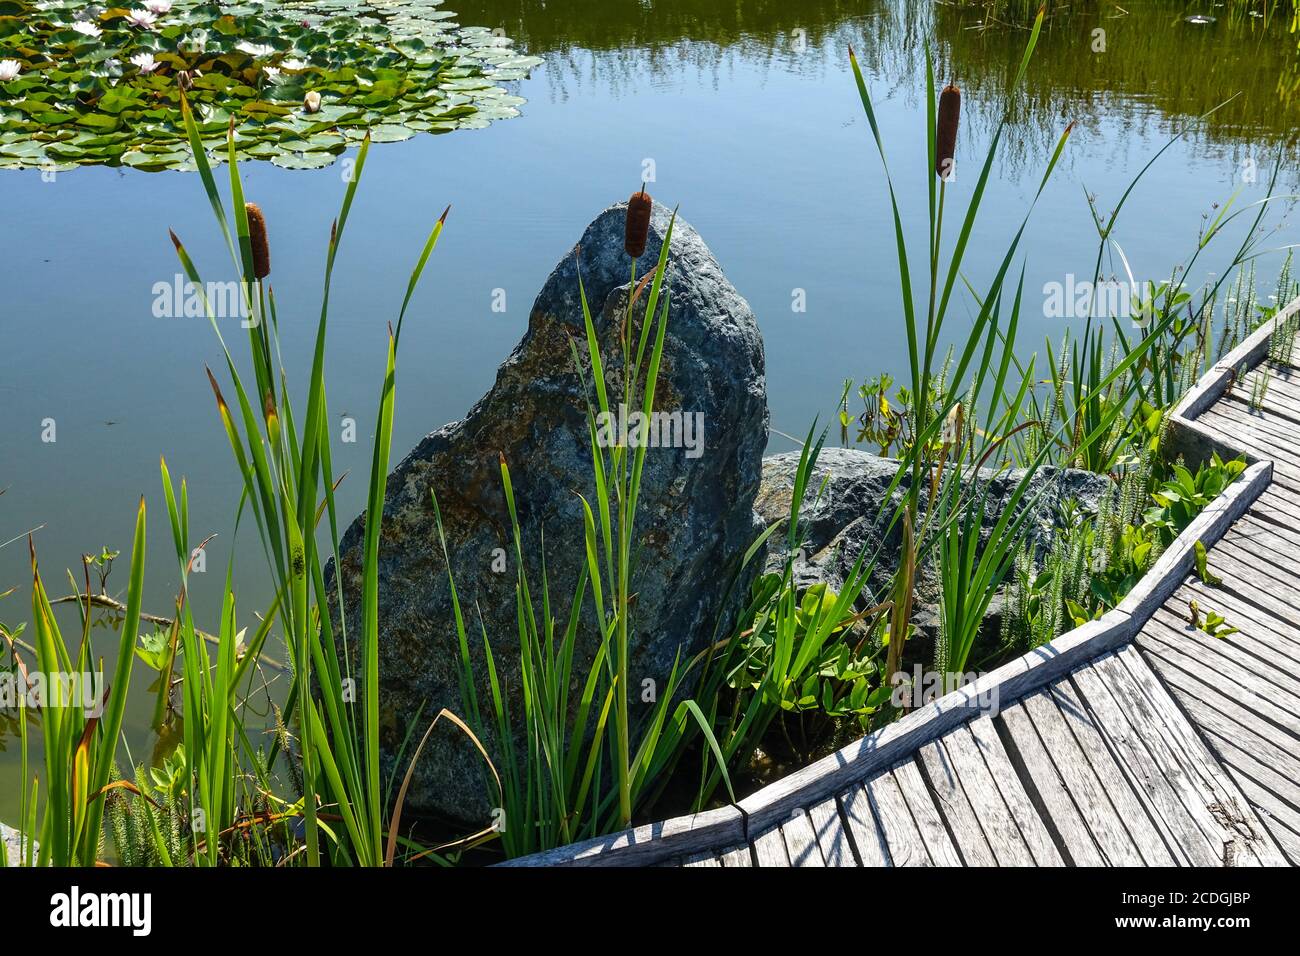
(638,223)
(945,137)
(257,239)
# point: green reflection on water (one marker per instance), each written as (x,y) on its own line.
(1150,57)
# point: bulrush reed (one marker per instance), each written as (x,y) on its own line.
(257,239)
(945,137)
(638,223)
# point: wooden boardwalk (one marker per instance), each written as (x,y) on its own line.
(1136,740)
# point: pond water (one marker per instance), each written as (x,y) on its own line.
(748,117)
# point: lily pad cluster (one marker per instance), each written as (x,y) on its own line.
(301,80)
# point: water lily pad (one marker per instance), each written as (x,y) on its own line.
(300,79)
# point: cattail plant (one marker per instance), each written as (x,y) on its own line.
(287,473)
(945,134)
(638,223)
(932,398)
(257,239)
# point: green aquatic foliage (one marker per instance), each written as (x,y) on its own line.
(1094,561)
(798,666)
(1184,495)
(299,81)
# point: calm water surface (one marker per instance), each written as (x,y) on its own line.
(749,115)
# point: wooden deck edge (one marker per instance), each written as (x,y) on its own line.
(1188,439)
(727,826)
(1214,383)
(648,844)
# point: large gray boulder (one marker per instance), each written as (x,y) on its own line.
(695,512)
(853,513)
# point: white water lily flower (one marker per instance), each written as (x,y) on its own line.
(311,102)
(254,49)
(158,6)
(141,18)
(8,70)
(145,62)
(85,28)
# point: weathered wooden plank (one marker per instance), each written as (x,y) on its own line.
(1260,424)
(1204,786)
(1286,533)
(1229,808)
(1240,567)
(1273,408)
(1137,819)
(1256,534)
(1215,657)
(955,807)
(1033,830)
(1088,792)
(703,859)
(647,844)
(1262,632)
(1134,679)
(737,856)
(1235,441)
(1253,565)
(990,809)
(1248,592)
(1195,442)
(1060,813)
(1279,634)
(1261,784)
(1159,782)
(929,821)
(1266,512)
(1276,515)
(832,838)
(1277,818)
(1224,715)
(902,836)
(1259,429)
(769,849)
(801,841)
(1278,400)
(1278,500)
(1282,376)
(1246,440)
(872,849)
(1271,546)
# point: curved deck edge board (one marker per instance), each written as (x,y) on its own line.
(897,796)
(649,844)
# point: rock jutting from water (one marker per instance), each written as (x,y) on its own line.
(695,515)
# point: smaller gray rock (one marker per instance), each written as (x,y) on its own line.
(853,513)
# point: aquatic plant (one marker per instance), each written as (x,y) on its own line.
(300,83)
(797,666)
